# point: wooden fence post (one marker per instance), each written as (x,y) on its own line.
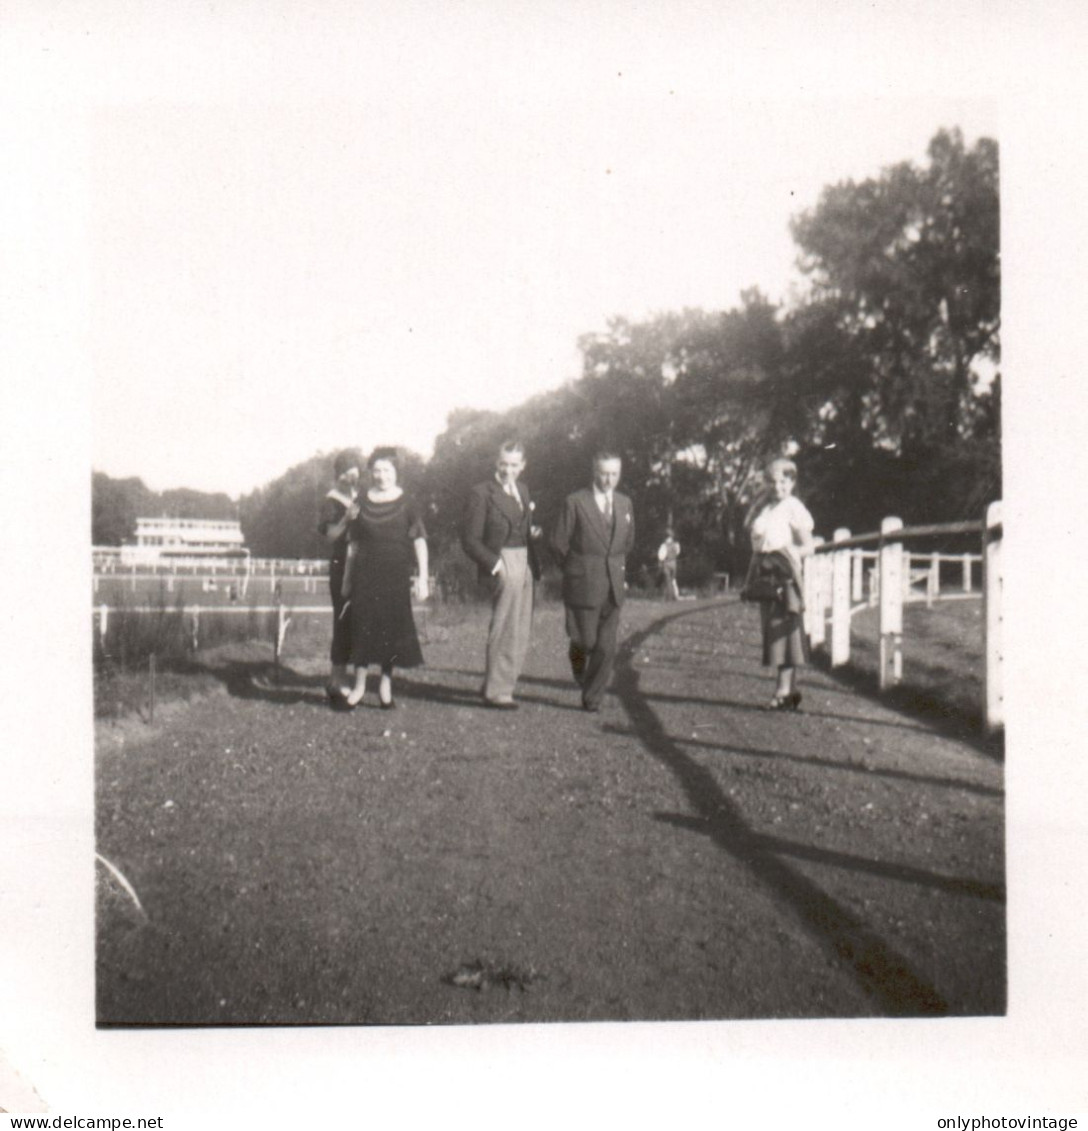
(103,622)
(905,569)
(891,603)
(967,573)
(840,601)
(992,586)
(826,577)
(282,621)
(857,575)
(195,627)
(933,581)
(808,595)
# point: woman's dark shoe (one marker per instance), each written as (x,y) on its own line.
(791,702)
(390,706)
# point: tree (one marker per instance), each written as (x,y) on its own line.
(115,506)
(117,503)
(279,520)
(182,502)
(734,405)
(902,326)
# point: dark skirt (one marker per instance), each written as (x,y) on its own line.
(340,652)
(383,630)
(785,644)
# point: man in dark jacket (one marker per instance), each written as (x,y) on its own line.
(498,535)
(594,535)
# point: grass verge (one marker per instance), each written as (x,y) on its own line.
(943,663)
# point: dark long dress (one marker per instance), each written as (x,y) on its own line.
(333,508)
(382,629)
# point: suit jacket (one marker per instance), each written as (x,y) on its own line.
(490,517)
(592,557)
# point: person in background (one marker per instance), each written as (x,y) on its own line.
(781,531)
(499,537)
(387,539)
(337,510)
(667,553)
(594,535)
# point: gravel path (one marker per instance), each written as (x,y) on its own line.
(685,854)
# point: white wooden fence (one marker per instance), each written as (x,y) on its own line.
(107,563)
(845,576)
(192,614)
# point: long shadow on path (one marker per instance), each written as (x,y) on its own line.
(827,763)
(880,971)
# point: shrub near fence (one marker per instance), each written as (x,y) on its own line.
(837,576)
(128,635)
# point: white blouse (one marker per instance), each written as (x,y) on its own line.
(784,526)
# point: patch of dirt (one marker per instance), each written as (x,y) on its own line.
(685,854)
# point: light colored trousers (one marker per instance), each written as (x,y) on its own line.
(511,624)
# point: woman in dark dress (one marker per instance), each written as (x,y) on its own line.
(337,510)
(387,538)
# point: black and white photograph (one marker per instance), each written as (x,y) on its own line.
(516,592)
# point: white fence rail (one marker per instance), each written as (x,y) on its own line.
(107,563)
(845,576)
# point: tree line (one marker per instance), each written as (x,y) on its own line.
(881,379)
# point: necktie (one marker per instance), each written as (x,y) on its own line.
(512,491)
(608,513)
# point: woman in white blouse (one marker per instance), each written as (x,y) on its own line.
(781,537)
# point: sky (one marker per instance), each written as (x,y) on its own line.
(275,276)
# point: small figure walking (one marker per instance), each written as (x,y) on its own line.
(667,553)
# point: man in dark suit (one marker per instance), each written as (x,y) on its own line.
(499,536)
(594,535)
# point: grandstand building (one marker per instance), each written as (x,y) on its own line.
(159,538)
